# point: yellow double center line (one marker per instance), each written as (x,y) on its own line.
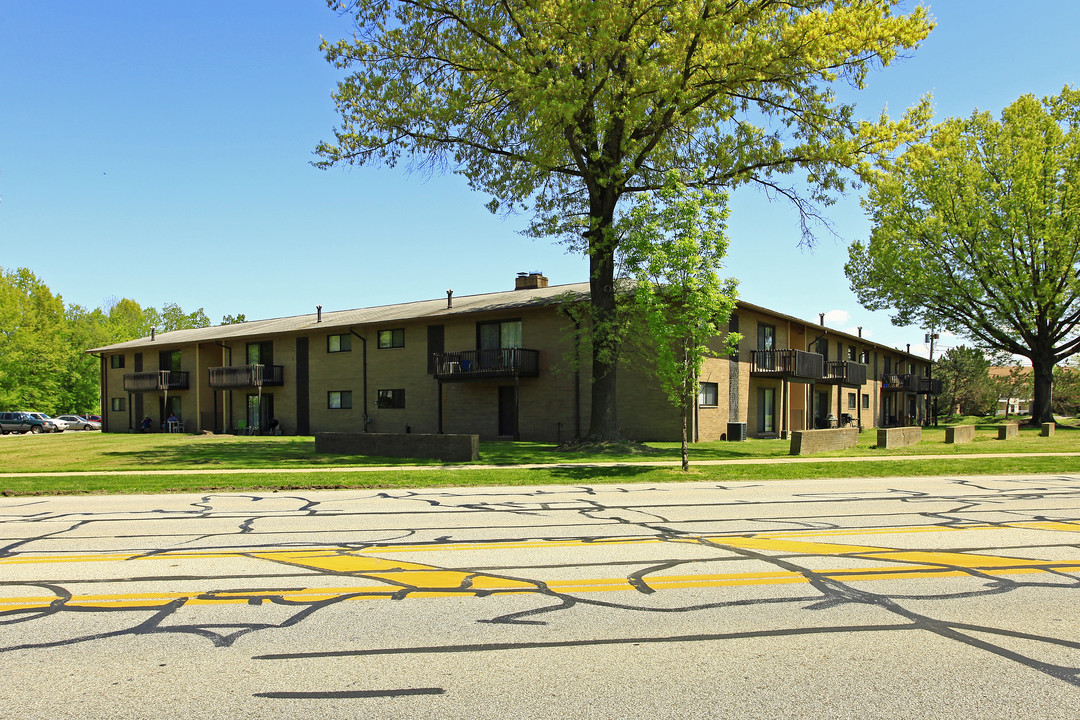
(382,578)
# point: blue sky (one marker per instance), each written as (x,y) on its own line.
(161,151)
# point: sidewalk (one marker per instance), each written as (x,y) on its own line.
(538,466)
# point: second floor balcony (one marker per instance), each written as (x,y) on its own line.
(156,380)
(844,372)
(791,364)
(891,382)
(482,364)
(241,376)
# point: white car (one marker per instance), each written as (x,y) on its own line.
(51,424)
(77,422)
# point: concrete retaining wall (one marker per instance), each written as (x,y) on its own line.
(449,448)
(959,434)
(808,442)
(1008,431)
(888,438)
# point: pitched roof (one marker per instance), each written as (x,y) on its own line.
(417,310)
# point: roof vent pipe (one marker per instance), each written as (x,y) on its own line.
(909,348)
(153,331)
(318,313)
(821,318)
(449,299)
(860,331)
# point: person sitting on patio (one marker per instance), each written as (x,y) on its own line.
(273,427)
(146,423)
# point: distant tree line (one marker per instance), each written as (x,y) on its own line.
(43,361)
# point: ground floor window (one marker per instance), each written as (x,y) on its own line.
(866,401)
(339,399)
(851,401)
(118,404)
(766,410)
(709,395)
(260,410)
(389,399)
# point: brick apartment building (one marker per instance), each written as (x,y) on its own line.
(503,365)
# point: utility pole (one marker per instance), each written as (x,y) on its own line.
(930,337)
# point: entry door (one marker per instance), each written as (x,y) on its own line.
(507,411)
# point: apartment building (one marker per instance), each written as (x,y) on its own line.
(512,364)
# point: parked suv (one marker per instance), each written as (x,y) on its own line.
(20,422)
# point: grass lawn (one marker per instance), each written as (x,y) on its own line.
(97,452)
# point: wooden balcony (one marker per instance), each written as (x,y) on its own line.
(892,382)
(790,364)
(928,386)
(484,364)
(844,372)
(241,376)
(159,380)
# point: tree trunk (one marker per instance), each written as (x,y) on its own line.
(1042,365)
(603,420)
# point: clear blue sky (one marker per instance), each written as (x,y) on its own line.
(160,151)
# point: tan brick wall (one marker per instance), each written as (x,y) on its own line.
(809,442)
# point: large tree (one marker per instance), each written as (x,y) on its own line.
(979,228)
(565,107)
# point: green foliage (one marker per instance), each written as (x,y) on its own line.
(562,107)
(234,319)
(966,387)
(978,230)
(1067,387)
(43,361)
(673,248)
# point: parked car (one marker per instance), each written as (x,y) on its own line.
(51,424)
(94,418)
(20,422)
(76,422)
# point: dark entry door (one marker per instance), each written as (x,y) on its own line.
(507,411)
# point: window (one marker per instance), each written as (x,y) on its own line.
(260,353)
(339,399)
(392,338)
(864,357)
(388,399)
(116,361)
(851,350)
(851,401)
(169,360)
(888,364)
(498,335)
(766,337)
(822,348)
(866,401)
(118,404)
(338,343)
(708,395)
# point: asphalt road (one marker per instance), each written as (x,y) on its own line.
(896,598)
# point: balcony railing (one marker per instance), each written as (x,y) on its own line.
(787,363)
(238,376)
(480,364)
(159,380)
(925,386)
(845,372)
(892,382)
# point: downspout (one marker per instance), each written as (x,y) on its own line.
(367,420)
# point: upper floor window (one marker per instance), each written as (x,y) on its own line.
(169,360)
(338,343)
(498,334)
(116,361)
(851,353)
(260,353)
(391,338)
(864,357)
(888,364)
(766,337)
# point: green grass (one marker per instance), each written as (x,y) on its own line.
(97,452)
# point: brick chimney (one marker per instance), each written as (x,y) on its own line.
(530,280)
